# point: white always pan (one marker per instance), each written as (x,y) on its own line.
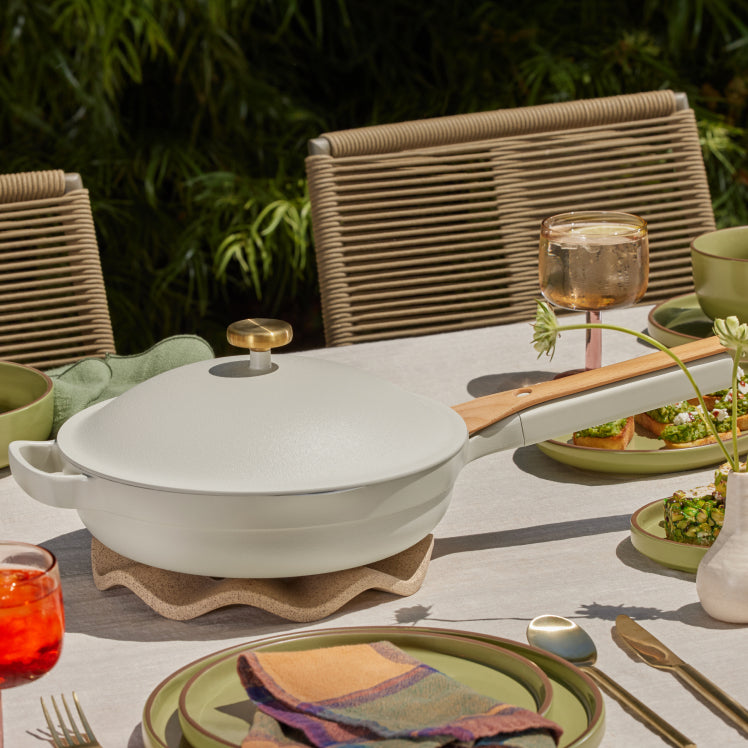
(296,466)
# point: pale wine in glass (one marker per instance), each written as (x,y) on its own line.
(593,260)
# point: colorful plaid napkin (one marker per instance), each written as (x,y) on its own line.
(375,695)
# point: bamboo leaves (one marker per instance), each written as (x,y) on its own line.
(189,120)
(274,241)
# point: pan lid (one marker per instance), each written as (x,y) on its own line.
(295,424)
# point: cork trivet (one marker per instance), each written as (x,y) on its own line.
(182,597)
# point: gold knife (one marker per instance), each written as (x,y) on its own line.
(656,654)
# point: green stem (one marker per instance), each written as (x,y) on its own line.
(735,394)
(646,338)
(736,456)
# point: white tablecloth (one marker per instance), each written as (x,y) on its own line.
(524,535)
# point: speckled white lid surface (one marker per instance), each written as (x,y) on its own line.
(307,426)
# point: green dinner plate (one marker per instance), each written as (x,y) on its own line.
(576,703)
(214,710)
(643,455)
(679,320)
(648,537)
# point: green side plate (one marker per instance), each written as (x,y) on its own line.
(643,456)
(679,320)
(215,701)
(648,537)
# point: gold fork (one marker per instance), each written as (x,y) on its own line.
(71,736)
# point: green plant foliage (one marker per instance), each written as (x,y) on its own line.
(189,120)
(267,234)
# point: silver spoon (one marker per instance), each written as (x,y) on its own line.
(564,638)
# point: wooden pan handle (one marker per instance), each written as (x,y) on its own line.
(484,411)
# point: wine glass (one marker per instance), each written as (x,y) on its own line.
(593,260)
(31,614)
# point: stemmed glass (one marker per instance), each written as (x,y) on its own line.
(31,615)
(593,260)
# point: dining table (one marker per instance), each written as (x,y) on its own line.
(525,534)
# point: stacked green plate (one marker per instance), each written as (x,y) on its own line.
(204,705)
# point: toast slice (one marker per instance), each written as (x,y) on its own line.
(611,435)
(709,400)
(684,433)
(655,421)
(649,423)
(697,442)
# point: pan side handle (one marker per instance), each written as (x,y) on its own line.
(485,411)
(40,471)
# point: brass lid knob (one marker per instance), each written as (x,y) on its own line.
(259,334)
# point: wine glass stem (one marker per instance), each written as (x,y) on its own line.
(1,718)
(593,348)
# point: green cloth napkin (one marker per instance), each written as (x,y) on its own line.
(91,380)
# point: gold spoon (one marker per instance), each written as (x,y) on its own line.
(564,638)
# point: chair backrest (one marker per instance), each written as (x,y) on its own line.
(53,307)
(429,226)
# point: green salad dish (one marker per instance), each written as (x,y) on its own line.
(648,537)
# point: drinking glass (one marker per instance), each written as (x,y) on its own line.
(593,260)
(31,615)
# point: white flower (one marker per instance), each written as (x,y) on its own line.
(545,330)
(732,335)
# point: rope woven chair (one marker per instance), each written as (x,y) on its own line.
(432,225)
(53,307)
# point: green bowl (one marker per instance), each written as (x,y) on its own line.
(26,405)
(719,260)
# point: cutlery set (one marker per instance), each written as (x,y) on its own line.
(565,638)
(69,734)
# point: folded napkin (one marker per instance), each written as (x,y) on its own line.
(379,696)
(91,380)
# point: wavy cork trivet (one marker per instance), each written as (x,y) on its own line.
(182,597)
